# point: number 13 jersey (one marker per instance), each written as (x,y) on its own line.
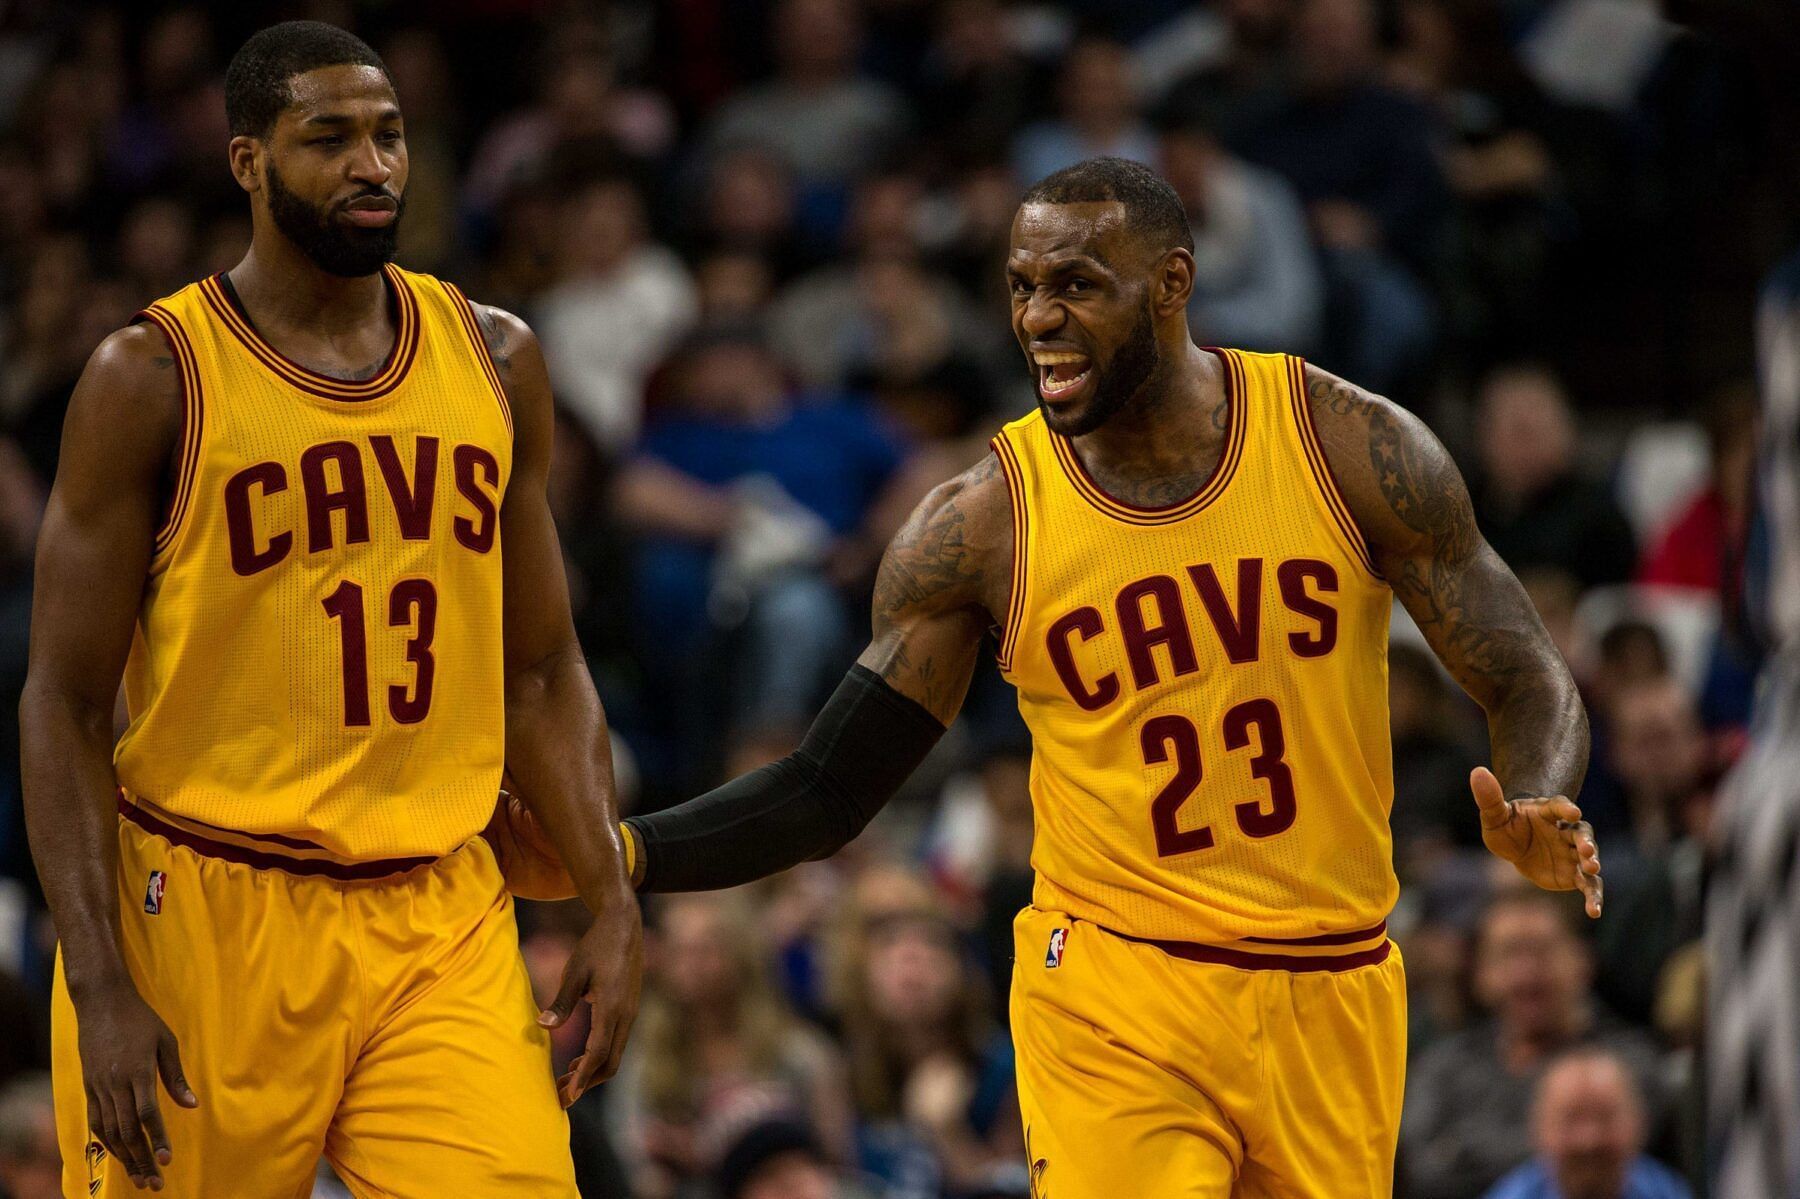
(1206,688)
(318,660)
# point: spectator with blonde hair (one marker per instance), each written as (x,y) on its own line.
(715,1050)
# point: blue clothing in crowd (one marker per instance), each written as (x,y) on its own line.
(1646,1179)
(833,458)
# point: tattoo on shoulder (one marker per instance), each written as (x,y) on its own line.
(927,559)
(162,363)
(494,334)
(1336,396)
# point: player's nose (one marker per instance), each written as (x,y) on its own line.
(368,165)
(1040,315)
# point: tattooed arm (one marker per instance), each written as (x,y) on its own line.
(1413,509)
(943,575)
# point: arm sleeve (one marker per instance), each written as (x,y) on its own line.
(865,743)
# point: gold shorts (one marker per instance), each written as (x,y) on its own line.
(1142,1073)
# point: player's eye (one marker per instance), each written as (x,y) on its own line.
(329,139)
(1020,287)
(1079,284)
(389,135)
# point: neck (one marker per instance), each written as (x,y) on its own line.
(281,287)
(1163,428)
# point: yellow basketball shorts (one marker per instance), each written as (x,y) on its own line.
(1142,1073)
(386,1023)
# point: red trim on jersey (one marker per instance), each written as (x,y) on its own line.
(1218,955)
(258,859)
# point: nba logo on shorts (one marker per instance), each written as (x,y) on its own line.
(154,892)
(1053,955)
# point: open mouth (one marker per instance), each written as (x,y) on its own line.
(1061,372)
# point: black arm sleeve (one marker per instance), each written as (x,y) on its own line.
(807,806)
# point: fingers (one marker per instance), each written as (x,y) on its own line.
(574,986)
(168,1064)
(1587,868)
(143,1094)
(1489,798)
(584,1071)
(124,1135)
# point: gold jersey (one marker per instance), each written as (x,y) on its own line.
(1206,688)
(317,664)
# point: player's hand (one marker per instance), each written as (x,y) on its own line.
(527,859)
(605,969)
(125,1047)
(1546,839)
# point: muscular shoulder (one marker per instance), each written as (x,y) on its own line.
(507,336)
(955,551)
(129,393)
(520,363)
(1402,486)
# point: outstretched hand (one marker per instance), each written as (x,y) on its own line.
(1544,838)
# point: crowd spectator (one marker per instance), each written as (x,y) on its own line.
(715,1051)
(744,493)
(1588,1129)
(621,302)
(825,121)
(1362,157)
(933,1077)
(1535,508)
(1256,278)
(30,1165)
(1100,114)
(1468,1097)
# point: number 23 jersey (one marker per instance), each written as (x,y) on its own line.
(318,661)
(1206,688)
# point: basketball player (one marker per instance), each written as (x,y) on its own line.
(1189,557)
(301,508)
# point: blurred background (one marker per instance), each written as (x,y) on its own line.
(761,241)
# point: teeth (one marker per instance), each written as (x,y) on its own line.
(1054,387)
(1054,357)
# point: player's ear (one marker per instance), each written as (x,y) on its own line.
(243,154)
(1174,281)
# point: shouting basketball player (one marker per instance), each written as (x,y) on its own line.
(1189,556)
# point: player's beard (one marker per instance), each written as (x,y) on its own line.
(1125,374)
(337,249)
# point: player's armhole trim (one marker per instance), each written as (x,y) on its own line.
(1320,466)
(1021,532)
(193,427)
(466,310)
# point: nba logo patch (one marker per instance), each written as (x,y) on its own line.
(1053,955)
(153,894)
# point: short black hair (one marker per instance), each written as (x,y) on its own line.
(1152,208)
(256,82)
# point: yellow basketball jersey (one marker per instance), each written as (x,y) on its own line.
(318,657)
(1206,688)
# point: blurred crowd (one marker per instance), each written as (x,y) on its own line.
(761,243)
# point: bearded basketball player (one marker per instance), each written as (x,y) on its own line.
(1189,557)
(301,509)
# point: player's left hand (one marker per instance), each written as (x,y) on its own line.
(1545,838)
(528,861)
(606,969)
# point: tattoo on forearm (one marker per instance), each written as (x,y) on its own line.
(1470,607)
(1474,624)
